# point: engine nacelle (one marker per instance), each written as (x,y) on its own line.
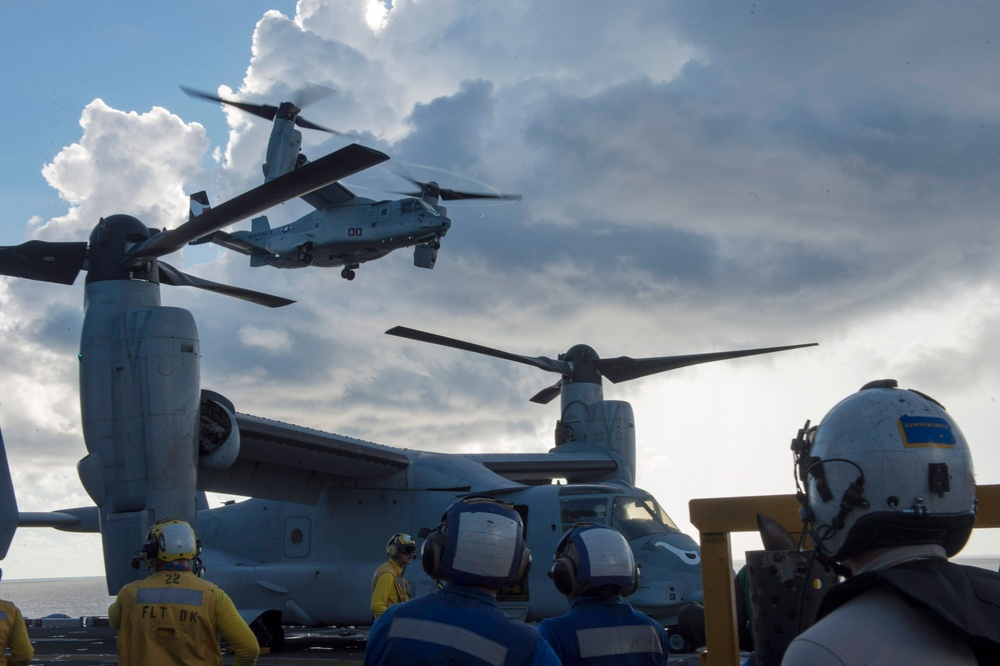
(219,436)
(282,149)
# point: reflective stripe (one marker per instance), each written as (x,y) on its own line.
(607,641)
(448,636)
(168,595)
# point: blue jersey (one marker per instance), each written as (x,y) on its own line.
(600,631)
(454,625)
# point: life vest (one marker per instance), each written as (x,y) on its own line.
(965,598)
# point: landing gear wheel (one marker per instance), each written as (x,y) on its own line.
(305,258)
(678,644)
(434,245)
(268,631)
(347,274)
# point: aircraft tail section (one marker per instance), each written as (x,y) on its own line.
(81,519)
(259,225)
(8,503)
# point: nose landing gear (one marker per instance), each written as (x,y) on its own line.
(305,253)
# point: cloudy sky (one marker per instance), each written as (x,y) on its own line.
(695,176)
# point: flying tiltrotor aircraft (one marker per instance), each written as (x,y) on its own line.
(303,549)
(344,230)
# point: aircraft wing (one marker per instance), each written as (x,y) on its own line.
(535,467)
(292,463)
(235,243)
(333,194)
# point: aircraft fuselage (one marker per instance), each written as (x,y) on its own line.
(297,558)
(350,234)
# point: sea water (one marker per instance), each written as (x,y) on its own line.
(75,597)
(85,597)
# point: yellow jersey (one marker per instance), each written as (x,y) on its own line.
(174,617)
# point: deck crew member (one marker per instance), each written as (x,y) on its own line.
(389,584)
(889,492)
(594,567)
(13,635)
(477,549)
(173,616)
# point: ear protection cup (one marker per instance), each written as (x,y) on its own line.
(431,551)
(563,575)
(390,548)
(524,565)
(149,550)
(635,583)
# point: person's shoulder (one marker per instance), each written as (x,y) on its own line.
(553,626)
(804,651)
(645,619)
(135,584)
(9,607)
(194,582)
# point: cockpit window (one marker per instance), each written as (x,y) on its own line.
(636,517)
(583,510)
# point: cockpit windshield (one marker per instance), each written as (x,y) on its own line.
(632,516)
(636,517)
(415,205)
(583,510)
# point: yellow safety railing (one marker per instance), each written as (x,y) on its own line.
(716,518)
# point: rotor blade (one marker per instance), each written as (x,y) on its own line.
(302,122)
(267,111)
(623,368)
(311,93)
(335,166)
(171,276)
(444,193)
(454,195)
(44,261)
(542,362)
(547,395)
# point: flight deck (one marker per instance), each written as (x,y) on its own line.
(95,646)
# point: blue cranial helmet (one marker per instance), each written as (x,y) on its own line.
(480,541)
(593,559)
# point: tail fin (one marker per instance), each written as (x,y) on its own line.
(8,503)
(198,205)
(259,224)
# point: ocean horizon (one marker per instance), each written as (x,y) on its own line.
(88,596)
(75,597)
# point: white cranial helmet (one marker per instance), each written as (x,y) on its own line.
(886,467)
